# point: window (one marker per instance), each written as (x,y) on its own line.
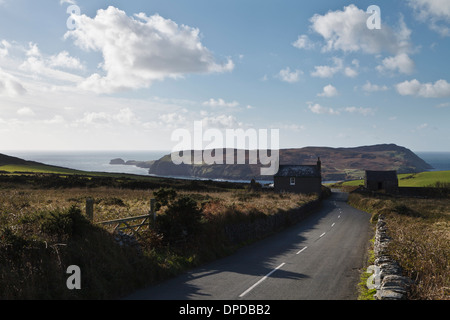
(292,181)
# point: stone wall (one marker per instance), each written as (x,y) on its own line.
(390,283)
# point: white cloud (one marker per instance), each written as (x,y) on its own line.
(64,60)
(328,91)
(288,127)
(33,50)
(328,71)
(124,116)
(346,31)
(61,2)
(360,110)
(369,87)
(221,121)
(439,89)
(10,85)
(303,42)
(435,12)
(4,46)
(401,63)
(350,72)
(422,126)
(57,119)
(141,49)
(25,111)
(443,105)
(220,103)
(287,75)
(172,119)
(318,109)
(41,66)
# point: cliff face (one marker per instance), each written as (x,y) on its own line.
(337,163)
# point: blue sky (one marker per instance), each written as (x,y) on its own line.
(132,72)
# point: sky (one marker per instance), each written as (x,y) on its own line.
(125,75)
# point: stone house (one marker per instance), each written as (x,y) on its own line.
(299,178)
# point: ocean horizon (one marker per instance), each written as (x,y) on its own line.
(99,161)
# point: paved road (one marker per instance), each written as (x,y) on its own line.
(319,258)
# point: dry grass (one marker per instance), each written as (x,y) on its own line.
(420,232)
(40,237)
(111,203)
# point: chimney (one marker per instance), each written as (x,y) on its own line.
(319,164)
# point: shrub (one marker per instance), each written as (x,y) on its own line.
(181,221)
(63,224)
(163,197)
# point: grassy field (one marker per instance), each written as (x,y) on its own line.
(422,179)
(38,168)
(48,169)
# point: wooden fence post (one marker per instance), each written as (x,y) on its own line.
(152,208)
(90,209)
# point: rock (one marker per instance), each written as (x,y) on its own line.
(117,161)
(389,295)
(389,268)
(396,283)
(382,259)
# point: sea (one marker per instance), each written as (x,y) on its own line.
(98,161)
(440,161)
(94,161)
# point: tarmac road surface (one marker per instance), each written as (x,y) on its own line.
(320,258)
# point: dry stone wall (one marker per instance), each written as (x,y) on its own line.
(390,283)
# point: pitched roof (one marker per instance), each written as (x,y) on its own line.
(381,175)
(298,171)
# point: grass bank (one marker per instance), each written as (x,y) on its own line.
(420,233)
(43,230)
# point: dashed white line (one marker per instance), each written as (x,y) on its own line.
(333,224)
(261,280)
(301,250)
(322,235)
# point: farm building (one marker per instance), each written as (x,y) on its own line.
(299,178)
(381,180)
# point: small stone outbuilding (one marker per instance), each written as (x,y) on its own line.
(381,181)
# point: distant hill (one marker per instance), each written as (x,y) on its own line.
(14,164)
(8,160)
(337,163)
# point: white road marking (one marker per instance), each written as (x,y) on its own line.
(301,250)
(322,235)
(333,224)
(261,280)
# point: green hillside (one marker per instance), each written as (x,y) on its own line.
(37,168)
(422,179)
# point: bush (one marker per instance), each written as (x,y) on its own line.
(163,197)
(63,224)
(181,221)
